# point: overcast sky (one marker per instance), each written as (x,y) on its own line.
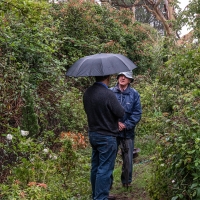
(183,4)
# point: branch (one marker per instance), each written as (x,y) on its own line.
(158,2)
(159,16)
(12,5)
(148,34)
(150,2)
(151,11)
(136,2)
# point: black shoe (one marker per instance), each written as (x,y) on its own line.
(126,185)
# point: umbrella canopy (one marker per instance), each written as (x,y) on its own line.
(100,65)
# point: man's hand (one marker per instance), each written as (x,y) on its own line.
(121,126)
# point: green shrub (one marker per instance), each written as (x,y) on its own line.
(71,113)
(29,118)
(176,167)
(37,172)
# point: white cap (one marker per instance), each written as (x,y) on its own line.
(128,74)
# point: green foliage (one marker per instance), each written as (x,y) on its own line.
(38,42)
(177,161)
(86,28)
(27,47)
(154,107)
(29,118)
(35,47)
(37,172)
(72,115)
(190,17)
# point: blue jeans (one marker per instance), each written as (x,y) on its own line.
(104,149)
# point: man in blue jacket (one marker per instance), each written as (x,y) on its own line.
(129,98)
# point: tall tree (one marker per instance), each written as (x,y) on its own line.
(144,16)
(162,10)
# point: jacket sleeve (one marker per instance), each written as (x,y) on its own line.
(135,115)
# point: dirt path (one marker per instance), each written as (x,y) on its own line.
(138,188)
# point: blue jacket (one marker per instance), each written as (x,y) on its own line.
(130,101)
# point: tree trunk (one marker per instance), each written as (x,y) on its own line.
(153,7)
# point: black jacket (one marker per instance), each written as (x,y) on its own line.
(102,109)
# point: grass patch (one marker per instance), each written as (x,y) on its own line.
(141,171)
(138,188)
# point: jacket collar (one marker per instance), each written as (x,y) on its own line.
(117,90)
(101,83)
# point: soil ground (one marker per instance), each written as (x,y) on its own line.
(138,189)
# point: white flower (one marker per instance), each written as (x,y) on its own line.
(53,157)
(45,150)
(24,133)
(173,181)
(9,137)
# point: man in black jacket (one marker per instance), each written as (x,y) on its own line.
(103,112)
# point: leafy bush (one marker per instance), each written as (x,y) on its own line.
(37,41)
(72,115)
(86,28)
(32,59)
(176,168)
(26,58)
(37,172)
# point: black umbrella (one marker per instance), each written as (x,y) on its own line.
(126,162)
(100,65)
